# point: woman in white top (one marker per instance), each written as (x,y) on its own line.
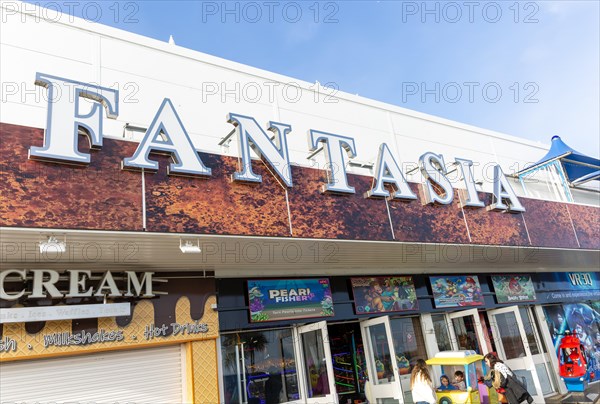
(421,384)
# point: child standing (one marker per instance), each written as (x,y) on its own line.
(421,384)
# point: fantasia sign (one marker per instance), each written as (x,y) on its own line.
(167,135)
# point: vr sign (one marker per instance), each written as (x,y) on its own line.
(167,135)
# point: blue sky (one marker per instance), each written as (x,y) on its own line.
(444,58)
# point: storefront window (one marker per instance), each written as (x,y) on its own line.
(508,329)
(259,367)
(466,334)
(488,334)
(347,351)
(315,363)
(584,321)
(440,327)
(527,325)
(408,342)
(536,321)
(381,354)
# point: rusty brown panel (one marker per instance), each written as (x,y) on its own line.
(196,289)
(50,195)
(495,227)
(586,220)
(216,205)
(548,224)
(414,221)
(352,217)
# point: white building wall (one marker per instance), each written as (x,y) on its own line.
(147,70)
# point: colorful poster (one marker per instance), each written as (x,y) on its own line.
(456,291)
(513,288)
(285,299)
(376,295)
(584,321)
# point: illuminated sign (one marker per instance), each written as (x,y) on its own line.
(167,135)
(569,286)
(285,299)
(44,284)
(181,310)
(384,294)
(456,291)
(581,279)
(513,288)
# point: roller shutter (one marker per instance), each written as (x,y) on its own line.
(134,376)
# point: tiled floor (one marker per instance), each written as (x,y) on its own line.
(592,395)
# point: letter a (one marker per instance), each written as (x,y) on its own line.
(388,172)
(166,134)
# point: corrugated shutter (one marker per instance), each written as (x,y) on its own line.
(135,376)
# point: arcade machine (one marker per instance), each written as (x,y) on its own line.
(573,367)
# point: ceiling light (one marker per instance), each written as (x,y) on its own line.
(189,246)
(52,245)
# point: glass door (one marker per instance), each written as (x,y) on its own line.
(468,332)
(539,353)
(382,367)
(515,347)
(317,384)
(442,332)
(259,366)
(409,346)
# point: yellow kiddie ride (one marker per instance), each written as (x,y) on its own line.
(470,364)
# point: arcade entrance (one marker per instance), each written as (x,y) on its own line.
(322,363)
(333,362)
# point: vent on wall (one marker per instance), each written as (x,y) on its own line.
(132,132)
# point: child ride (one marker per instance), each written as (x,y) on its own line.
(470,365)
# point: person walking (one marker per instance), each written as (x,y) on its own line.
(421,384)
(502,378)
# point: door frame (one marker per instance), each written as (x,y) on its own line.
(528,361)
(542,357)
(392,389)
(303,383)
(430,339)
(551,351)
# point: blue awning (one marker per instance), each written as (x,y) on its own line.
(578,167)
(589,177)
